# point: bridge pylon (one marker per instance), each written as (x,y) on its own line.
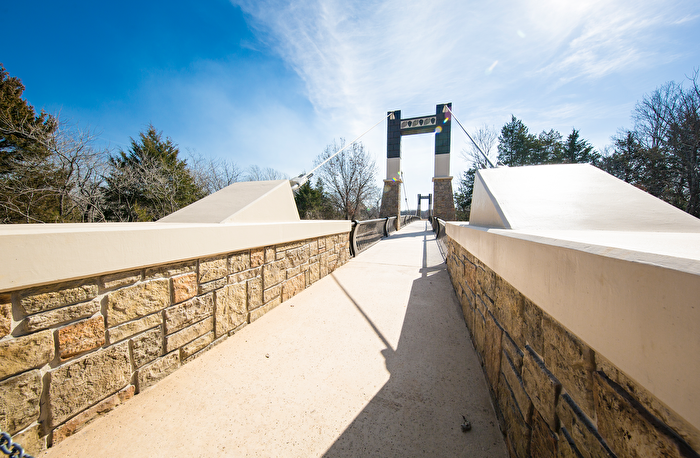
(440,125)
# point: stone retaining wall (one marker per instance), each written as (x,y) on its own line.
(71,352)
(553,394)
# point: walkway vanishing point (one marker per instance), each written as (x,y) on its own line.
(372,360)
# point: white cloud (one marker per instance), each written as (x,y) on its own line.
(359,59)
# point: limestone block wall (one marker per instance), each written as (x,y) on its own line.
(553,394)
(70,352)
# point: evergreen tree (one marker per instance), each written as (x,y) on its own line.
(149,181)
(577,150)
(463,196)
(516,145)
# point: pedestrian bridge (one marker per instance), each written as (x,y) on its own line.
(559,322)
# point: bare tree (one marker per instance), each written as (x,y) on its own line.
(64,184)
(212,175)
(349,178)
(486,137)
(257,173)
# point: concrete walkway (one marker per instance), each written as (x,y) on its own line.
(373,360)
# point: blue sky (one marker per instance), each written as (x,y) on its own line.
(272,83)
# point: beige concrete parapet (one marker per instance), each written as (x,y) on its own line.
(628,302)
(39,254)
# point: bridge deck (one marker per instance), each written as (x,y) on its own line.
(373,360)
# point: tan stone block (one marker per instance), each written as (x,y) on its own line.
(257,257)
(31,440)
(53,317)
(171,270)
(255,293)
(184,314)
(19,401)
(492,351)
(583,433)
(184,287)
(321,242)
(231,308)
(196,345)
(80,337)
(212,269)
(131,328)
(543,442)
(571,361)
(81,420)
(297,256)
(314,272)
(509,306)
(239,262)
(54,296)
(323,264)
(147,346)
(27,352)
(260,311)
(293,286)
(270,294)
(137,301)
(516,429)
(121,279)
(513,351)
(567,447)
(313,247)
(98,375)
(206,288)
(273,273)
(681,426)
(241,277)
(293,272)
(532,326)
(515,383)
(180,338)
(152,373)
(541,386)
(5,319)
(631,430)
(269,254)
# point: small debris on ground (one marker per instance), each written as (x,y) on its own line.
(267,355)
(466,426)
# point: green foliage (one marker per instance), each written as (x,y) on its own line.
(463,196)
(149,181)
(517,146)
(661,155)
(313,203)
(23,134)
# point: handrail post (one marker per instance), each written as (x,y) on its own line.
(353,239)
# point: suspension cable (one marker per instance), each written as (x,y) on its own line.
(304,177)
(470,137)
(405,194)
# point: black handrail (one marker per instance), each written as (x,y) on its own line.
(364,234)
(440,233)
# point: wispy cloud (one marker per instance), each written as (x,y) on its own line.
(358,59)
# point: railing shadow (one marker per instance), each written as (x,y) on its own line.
(434,373)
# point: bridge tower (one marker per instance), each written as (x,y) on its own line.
(440,125)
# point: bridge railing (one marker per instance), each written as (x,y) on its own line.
(364,234)
(439,229)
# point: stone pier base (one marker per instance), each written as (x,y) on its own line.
(443,203)
(391,199)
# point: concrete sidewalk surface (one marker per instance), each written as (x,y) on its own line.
(372,360)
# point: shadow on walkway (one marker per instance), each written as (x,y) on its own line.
(435,379)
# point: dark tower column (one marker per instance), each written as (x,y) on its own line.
(444,205)
(391,194)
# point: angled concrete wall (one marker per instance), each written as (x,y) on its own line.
(587,288)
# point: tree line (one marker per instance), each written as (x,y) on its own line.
(660,154)
(52,172)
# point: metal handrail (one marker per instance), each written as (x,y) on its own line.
(366,233)
(440,234)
